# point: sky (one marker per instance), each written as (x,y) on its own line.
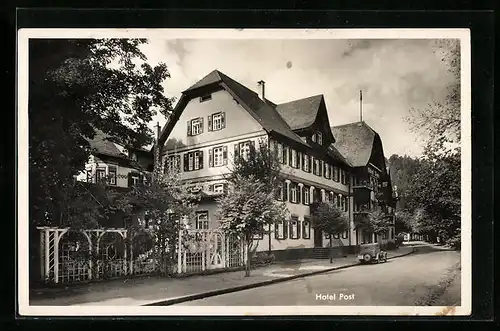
(394,75)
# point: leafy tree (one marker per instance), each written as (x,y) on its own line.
(168,205)
(376,221)
(77,86)
(329,219)
(250,203)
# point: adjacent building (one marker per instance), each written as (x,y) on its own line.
(218,118)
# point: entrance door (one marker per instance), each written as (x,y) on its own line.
(318,238)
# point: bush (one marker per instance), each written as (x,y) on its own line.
(399,240)
(454,242)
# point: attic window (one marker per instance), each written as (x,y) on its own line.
(205,97)
(320,138)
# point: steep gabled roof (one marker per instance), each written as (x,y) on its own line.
(300,113)
(101,144)
(354,141)
(261,111)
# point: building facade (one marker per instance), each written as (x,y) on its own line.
(218,118)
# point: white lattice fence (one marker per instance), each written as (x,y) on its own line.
(76,256)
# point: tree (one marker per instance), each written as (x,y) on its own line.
(250,203)
(329,219)
(76,87)
(168,205)
(440,119)
(376,221)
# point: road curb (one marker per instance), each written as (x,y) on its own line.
(208,294)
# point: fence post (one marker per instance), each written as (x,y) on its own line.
(56,256)
(131,262)
(124,237)
(42,250)
(203,251)
(47,256)
(179,253)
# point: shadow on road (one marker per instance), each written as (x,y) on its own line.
(426,248)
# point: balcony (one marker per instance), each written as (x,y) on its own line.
(362,184)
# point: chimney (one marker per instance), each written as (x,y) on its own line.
(158,131)
(262,89)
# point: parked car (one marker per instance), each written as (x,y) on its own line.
(370,253)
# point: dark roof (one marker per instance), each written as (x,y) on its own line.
(300,113)
(106,150)
(101,144)
(354,141)
(262,111)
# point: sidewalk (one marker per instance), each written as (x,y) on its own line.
(151,290)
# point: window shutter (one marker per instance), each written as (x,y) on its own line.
(303,194)
(321,163)
(224,187)
(285,229)
(290,191)
(210,157)
(304,160)
(299,227)
(285,154)
(290,158)
(224,155)
(309,160)
(223,120)
(200,155)
(189,128)
(211,187)
(209,122)
(299,193)
(201,124)
(324,169)
(186,162)
(313,165)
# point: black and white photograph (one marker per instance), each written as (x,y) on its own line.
(244,172)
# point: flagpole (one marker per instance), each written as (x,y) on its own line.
(361,105)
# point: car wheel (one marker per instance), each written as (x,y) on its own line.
(367,258)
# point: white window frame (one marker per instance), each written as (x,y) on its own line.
(196,165)
(217,119)
(191,161)
(218,156)
(294,228)
(293,192)
(245,150)
(174,163)
(112,180)
(280,234)
(280,153)
(313,137)
(203,222)
(306,227)
(306,163)
(135,180)
(195,123)
(294,158)
(320,138)
(217,186)
(281,192)
(316,166)
(100,171)
(307,198)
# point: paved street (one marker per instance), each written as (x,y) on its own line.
(430,276)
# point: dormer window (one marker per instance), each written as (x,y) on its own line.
(314,137)
(205,97)
(320,138)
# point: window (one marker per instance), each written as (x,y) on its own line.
(195,126)
(100,174)
(280,232)
(202,220)
(205,97)
(293,192)
(89,176)
(112,175)
(316,167)
(135,179)
(345,234)
(336,174)
(313,137)
(218,188)
(327,171)
(244,149)
(294,228)
(306,192)
(173,163)
(306,228)
(217,121)
(279,193)
(193,161)
(305,163)
(285,155)
(219,157)
(294,158)
(320,138)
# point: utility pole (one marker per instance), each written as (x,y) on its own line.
(361,105)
